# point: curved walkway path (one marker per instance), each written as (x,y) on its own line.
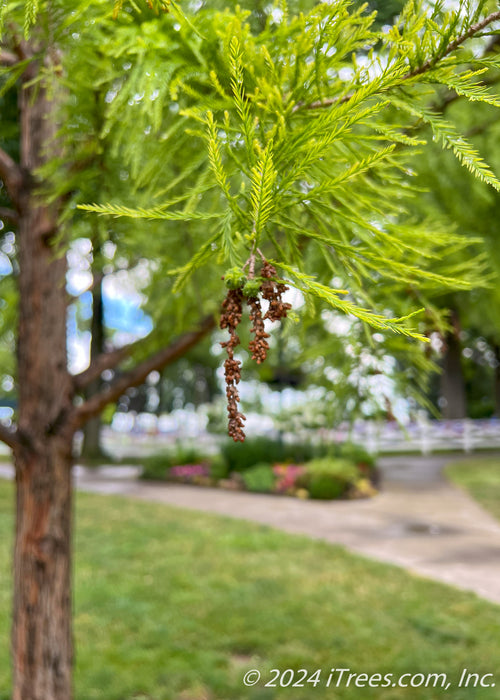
(419,520)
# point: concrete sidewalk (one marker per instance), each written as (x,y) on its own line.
(419,521)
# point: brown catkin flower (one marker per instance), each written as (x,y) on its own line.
(272,291)
(232,306)
(259,345)
(231,316)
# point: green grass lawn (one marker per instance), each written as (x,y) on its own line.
(480,476)
(174,605)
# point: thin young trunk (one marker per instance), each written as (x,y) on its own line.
(91,446)
(452,377)
(41,630)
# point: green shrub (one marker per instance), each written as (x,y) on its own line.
(342,469)
(182,454)
(242,456)
(259,478)
(328,478)
(155,466)
(218,468)
(326,486)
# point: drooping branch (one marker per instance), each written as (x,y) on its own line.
(449,98)
(135,377)
(11,175)
(424,68)
(9,215)
(9,436)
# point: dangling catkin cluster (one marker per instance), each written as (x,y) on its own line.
(272,292)
(230,318)
(259,345)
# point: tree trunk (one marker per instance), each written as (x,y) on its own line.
(41,631)
(452,377)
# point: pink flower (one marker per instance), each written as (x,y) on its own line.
(287,474)
(186,471)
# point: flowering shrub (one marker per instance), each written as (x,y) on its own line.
(323,478)
(189,471)
(286,476)
(158,465)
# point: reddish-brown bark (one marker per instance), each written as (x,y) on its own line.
(41,629)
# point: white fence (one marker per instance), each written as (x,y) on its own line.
(424,436)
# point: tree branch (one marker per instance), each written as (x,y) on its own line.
(8,436)
(451,97)
(107,360)
(95,404)
(428,65)
(8,58)
(11,175)
(20,47)
(9,215)
(473,29)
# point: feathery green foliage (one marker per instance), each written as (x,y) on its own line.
(30,16)
(263,177)
(310,126)
(294,132)
(157,213)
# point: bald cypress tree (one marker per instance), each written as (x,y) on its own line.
(273,154)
